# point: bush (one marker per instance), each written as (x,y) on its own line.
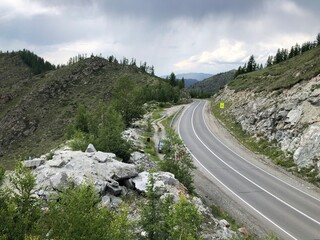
(20,210)
(162,219)
(103,128)
(177,160)
(77,215)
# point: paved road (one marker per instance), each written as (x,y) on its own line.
(281,208)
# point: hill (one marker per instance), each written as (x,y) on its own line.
(276,112)
(36,109)
(282,75)
(189,82)
(211,85)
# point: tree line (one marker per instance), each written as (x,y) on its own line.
(37,64)
(285,54)
(112,59)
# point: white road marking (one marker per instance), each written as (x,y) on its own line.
(253,164)
(257,185)
(261,214)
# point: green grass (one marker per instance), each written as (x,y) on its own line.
(157,113)
(282,75)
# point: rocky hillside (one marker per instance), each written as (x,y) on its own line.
(282,104)
(35,109)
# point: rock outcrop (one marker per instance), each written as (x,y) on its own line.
(75,167)
(289,116)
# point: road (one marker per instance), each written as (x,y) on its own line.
(282,208)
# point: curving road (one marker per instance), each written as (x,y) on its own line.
(280,207)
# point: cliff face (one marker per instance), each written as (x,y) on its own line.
(290,116)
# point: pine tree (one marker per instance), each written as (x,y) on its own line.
(251,64)
(318,39)
(172,79)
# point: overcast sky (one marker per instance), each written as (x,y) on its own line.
(178,36)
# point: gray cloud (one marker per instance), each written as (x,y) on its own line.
(173,35)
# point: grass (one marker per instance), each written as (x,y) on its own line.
(157,113)
(282,75)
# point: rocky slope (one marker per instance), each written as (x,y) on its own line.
(114,180)
(290,116)
(35,109)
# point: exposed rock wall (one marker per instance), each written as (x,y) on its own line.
(289,116)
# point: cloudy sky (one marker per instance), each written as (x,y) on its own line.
(178,36)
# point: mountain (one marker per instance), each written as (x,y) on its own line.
(189,82)
(35,109)
(281,104)
(211,85)
(196,76)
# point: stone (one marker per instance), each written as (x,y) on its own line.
(110,201)
(161,183)
(33,163)
(294,116)
(128,183)
(59,181)
(81,168)
(224,223)
(90,148)
(56,163)
(113,187)
(103,157)
(281,114)
(243,232)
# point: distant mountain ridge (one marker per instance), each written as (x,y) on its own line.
(196,76)
(211,85)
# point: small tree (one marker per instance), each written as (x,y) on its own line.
(172,79)
(318,39)
(77,216)
(251,66)
(184,221)
(20,210)
(127,100)
(177,160)
(151,217)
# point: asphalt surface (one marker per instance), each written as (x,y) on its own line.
(281,208)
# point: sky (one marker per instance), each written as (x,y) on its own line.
(179,36)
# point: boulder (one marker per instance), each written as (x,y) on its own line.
(294,116)
(113,187)
(33,163)
(103,156)
(56,163)
(82,167)
(164,183)
(59,181)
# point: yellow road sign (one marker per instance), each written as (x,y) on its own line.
(221,105)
